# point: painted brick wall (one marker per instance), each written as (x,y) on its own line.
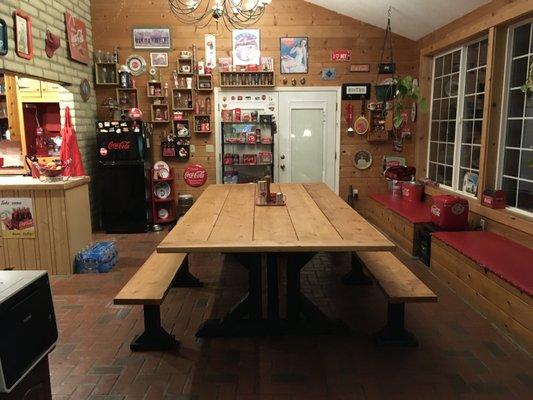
(50,15)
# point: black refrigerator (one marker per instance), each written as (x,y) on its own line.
(123,176)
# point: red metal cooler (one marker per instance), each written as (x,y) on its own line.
(449,212)
(412,191)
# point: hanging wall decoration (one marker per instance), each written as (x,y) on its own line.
(360,68)
(77,38)
(329,74)
(3,38)
(136,64)
(293,55)
(341,55)
(52,43)
(210,51)
(362,160)
(85,90)
(246,47)
(23,35)
(151,38)
(195,175)
(159,60)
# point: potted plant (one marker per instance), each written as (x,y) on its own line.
(406,89)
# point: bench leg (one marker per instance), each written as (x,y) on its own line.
(394,333)
(184,278)
(154,337)
(356,276)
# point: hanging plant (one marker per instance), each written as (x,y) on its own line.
(406,89)
(528,84)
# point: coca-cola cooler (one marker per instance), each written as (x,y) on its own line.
(123,176)
(449,212)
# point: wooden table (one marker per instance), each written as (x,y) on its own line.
(225,219)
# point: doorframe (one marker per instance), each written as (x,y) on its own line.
(337,89)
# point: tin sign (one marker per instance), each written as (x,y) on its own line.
(341,55)
(195,175)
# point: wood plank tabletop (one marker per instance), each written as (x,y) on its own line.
(225,219)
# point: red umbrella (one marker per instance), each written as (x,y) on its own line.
(70,152)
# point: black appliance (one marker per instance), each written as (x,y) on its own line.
(27,318)
(423,242)
(123,168)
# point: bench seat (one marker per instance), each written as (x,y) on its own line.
(509,260)
(400,286)
(415,212)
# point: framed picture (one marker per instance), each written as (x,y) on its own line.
(362,160)
(3,38)
(159,59)
(77,38)
(151,38)
(23,35)
(246,47)
(293,55)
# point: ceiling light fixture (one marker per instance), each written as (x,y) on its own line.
(233,13)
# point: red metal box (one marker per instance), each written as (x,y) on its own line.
(449,212)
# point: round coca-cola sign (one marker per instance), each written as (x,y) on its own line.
(195,175)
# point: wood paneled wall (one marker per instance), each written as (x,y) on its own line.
(113,21)
(492,21)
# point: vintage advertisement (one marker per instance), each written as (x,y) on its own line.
(16,214)
(210,51)
(246,47)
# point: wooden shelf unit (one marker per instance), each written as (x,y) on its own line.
(168,203)
(105,77)
(247,79)
(163,107)
(129,94)
(178,105)
(204,83)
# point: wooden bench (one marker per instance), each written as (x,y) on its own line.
(401,286)
(149,287)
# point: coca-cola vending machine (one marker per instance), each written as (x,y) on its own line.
(123,172)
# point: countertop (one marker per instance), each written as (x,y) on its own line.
(28,183)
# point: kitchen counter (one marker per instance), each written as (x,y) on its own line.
(59,228)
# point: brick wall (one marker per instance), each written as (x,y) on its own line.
(50,15)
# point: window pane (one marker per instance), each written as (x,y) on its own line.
(448,176)
(462,173)
(480,80)
(454,85)
(514,133)
(528,134)
(432,173)
(510,186)
(467,132)
(449,154)
(447,64)
(442,131)
(529,104)
(433,151)
(437,88)
(470,86)
(456,63)
(436,110)
(472,55)
(521,40)
(469,107)
(516,103)
(483,52)
(526,165)
(479,106)
(438,66)
(518,72)
(510,164)
(477,132)
(442,153)
(434,131)
(475,157)
(453,107)
(440,173)
(446,86)
(451,132)
(466,155)
(525,196)
(444,108)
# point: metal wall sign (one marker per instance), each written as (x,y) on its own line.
(16,215)
(356,91)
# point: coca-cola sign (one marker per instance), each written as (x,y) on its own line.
(122,145)
(195,175)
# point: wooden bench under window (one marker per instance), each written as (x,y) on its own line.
(149,287)
(401,286)
(493,274)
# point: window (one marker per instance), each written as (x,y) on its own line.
(457,114)
(516,155)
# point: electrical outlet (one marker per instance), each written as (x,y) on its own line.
(482,224)
(193,149)
(355,193)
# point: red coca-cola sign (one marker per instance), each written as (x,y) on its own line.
(195,175)
(122,145)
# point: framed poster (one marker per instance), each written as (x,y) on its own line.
(77,38)
(293,55)
(3,38)
(16,215)
(151,38)
(246,47)
(23,35)
(159,60)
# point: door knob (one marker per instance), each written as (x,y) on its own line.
(282,157)
(282,166)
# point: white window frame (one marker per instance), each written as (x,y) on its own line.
(459,116)
(504,111)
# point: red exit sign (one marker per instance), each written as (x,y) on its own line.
(341,55)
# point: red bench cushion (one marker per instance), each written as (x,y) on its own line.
(508,260)
(416,212)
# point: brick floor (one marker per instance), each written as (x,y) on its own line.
(461,355)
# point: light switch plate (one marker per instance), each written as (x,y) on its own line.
(193,148)
(209,148)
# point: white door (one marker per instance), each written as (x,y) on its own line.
(307,141)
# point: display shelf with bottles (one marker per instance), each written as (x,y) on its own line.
(185,66)
(247,150)
(154,90)
(204,82)
(127,98)
(160,113)
(182,99)
(202,123)
(247,79)
(106,73)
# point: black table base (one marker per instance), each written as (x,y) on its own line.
(246,317)
(356,276)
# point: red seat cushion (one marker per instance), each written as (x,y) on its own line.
(509,260)
(417,212)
